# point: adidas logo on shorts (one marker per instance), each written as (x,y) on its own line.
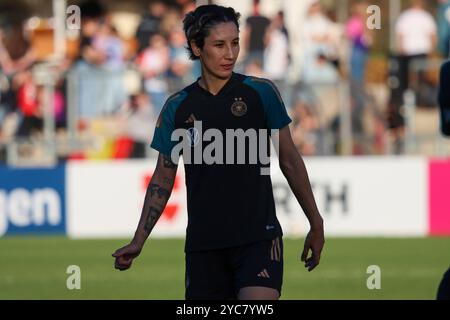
(263,274)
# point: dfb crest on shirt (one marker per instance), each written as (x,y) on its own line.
(238,108)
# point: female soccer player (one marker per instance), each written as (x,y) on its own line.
(234,246)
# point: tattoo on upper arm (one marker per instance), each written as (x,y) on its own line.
(168,162)
(152,218)
(157,189)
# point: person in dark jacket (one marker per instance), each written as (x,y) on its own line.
(444,98)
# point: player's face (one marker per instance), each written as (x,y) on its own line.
(221,50)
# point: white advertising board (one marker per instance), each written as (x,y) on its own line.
(356,197)
(105,199)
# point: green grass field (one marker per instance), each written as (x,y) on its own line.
(35,268)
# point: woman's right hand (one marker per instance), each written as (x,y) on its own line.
(125,255)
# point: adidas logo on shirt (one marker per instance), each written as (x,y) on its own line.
(191,119)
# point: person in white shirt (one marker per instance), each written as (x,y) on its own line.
(318,47)
(416,35)
(276,53)
(416,39)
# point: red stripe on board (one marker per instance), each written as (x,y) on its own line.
(439,197)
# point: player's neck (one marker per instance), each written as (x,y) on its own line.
(212,83)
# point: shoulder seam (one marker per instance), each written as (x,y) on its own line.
(270,83)
(168,101)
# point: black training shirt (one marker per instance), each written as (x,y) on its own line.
(229,203)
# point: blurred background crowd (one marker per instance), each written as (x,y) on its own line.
(357,79)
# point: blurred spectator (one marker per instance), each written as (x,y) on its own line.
(416,35)
(87,52)
(360,40)
(180,72)
(3,106)
(100,64)
(443,20)
(150,24)
(304,128)
(17,54)
(171,21)
(59,101)
(87,69)
(111,48)
(254,34)
(5,68)
(276,53)
(6,64)
(416,38)
(107,42)
(140,120)
(320,68)
(319,47)
(153,63)
(186,6)
(91,13)
(28,104)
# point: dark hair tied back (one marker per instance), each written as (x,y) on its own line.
(198,23)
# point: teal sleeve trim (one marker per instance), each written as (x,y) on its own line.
(274,108)
(165,125)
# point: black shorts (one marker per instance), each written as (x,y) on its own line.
(220,274)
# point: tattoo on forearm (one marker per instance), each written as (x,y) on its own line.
(156,189)
(168,162)
(167,181)
(152,218)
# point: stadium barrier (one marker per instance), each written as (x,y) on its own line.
(370,196)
